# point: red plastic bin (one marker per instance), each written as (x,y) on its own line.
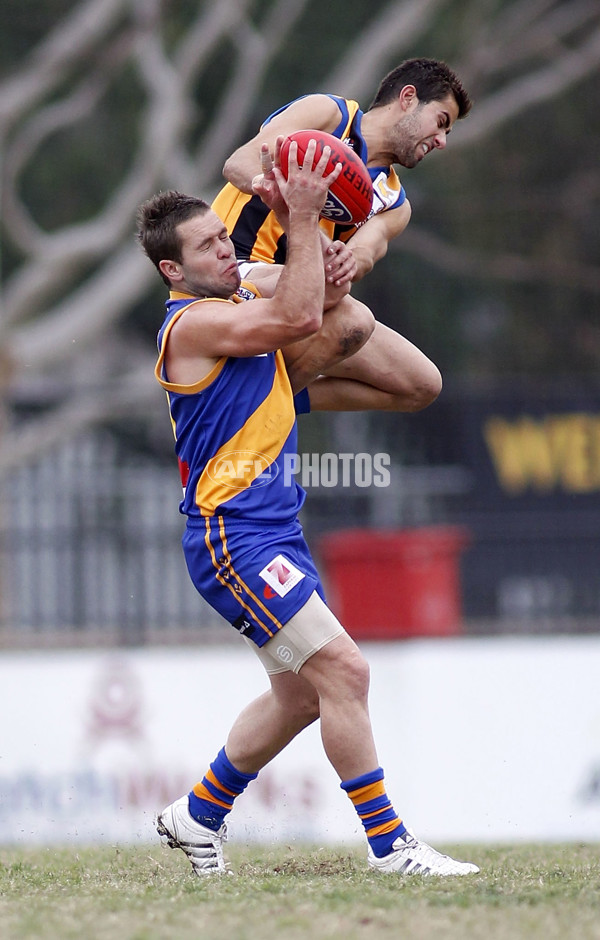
(386,583)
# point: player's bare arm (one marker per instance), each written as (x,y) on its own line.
(211,329)
(314,111)
(338,260)
(370,243)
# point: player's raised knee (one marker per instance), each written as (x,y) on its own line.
(356,326)
(426,387)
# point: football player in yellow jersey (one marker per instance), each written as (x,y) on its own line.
(219,362)
(410,117)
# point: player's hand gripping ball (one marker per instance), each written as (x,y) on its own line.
(350,198)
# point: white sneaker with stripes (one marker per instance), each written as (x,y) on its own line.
(203,847)
(411,857)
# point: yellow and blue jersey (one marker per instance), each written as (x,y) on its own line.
(254,229)
(235,439)
(234,430)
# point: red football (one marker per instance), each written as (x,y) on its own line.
(350,198)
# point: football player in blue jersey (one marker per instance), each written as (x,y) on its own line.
(233,413)
(411,116)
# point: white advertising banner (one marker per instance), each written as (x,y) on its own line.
(481,740)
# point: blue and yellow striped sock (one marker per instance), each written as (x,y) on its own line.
(375,811)
(212,798)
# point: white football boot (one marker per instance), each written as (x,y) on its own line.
(411,857)
(203,847)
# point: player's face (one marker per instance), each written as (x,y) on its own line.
(209,265)
(423,129)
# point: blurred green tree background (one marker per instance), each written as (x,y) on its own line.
(104,102)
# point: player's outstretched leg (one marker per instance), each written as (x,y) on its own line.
(195,823)
(389,362)
(340,674)
(346,328)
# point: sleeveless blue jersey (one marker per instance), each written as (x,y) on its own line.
(235,434)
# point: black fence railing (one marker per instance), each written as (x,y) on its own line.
(90,548)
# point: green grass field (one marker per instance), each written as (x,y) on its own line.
(150,893)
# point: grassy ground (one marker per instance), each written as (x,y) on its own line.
(150,893)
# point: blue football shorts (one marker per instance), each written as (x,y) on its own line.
(257,576)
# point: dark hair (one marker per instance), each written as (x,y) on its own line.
(157,221)
(433,80)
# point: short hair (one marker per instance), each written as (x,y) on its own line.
(157,222)
(433,80)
